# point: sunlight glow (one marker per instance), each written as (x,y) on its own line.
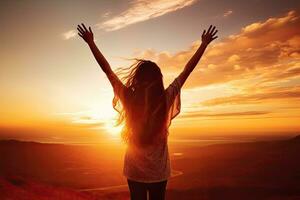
(112,129)
(95,119)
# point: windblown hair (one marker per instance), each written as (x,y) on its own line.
(143,109)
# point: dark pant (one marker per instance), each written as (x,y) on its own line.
(138,190)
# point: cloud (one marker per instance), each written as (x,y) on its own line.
(227,13)
(259,66)
(225,114)
(280,94)
(69,34)
(106,14)
(139,10)
(261,50)
(142,10)
(85,119)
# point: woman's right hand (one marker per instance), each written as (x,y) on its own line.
(85,34)
(210,35)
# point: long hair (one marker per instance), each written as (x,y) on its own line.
(143,111)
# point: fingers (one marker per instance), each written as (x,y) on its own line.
(212,30)
(80,29)
(80,35)
(84,27)
(214,33)
(208,31)
(210,34)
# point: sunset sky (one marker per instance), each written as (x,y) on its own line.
(52,89)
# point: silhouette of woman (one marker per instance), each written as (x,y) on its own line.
(147,109)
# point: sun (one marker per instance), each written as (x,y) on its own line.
(112,129)
(107,116)
(100,119)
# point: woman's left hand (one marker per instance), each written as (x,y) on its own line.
(85,34)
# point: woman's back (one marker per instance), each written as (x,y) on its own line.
(151,163)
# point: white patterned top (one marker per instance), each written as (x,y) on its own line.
(152,163)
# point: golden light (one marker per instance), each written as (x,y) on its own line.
(100,117)
(109,117)
(112,129)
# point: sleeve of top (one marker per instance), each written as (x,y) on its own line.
(173,99)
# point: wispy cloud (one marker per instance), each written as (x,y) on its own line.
(142,10)
(88,119)
(255,98)
(227,13)
(224,114)
(106,14)
(69,34)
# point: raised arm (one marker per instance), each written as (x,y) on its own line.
(88,36)
(207,37)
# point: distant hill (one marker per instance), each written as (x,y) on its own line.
(246,170)
(296,139)
(20,142)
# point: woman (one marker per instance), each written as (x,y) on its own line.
(147,109)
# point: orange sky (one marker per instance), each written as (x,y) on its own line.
(52,90)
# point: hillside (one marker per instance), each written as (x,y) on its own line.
(248,170)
